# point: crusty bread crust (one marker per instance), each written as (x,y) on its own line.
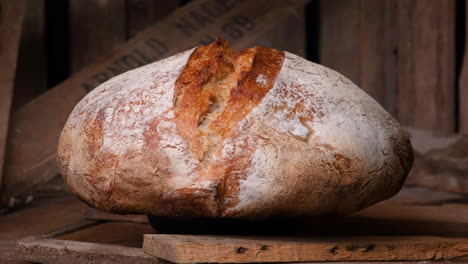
(215,133)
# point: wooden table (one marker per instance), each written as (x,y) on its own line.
(64,230)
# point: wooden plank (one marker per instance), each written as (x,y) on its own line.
(11,19)
(115,233)
(142,13)
(36,127)
(62,251)
(356,39)
(7,253)
(426,65)
(96,214)
(424,196)
(96,28)
(280,36)
(377,51)
(463,84)
(440,161)
(364,226)
(230,249)
(45,218)
(31,72)
(59,251)
(339,42)
(451,213)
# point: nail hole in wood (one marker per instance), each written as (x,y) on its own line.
(334,250)
(240,250)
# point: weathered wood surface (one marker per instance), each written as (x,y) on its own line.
(45,218)
(463,84)
(226,249)
(31,71)
(400,52)
(426,64)
(115,233)
(413,212)
(423,196)
(450,213)
(96,214)
(7,253)
(61,251)
(441,162)
(11,21)
(31,148)
(48,217)
(96,28)
(357,40)
(142,13)
(280,38)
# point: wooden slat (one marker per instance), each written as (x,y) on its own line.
(36,127)
(45,218)
(440,161)
(62,251)
(7,253)
(280,36)
(356,39)
(426,51)
(59,251)
(463,83)
(364,226)
(424,196)
(96,214)
(11,20)
(142,13)
(450,213)
(115,233)
(226,249)
(96,28)
(31,72)
(339,37)
(377,51)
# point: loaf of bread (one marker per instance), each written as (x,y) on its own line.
(211,133)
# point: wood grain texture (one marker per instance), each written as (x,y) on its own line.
(45,218)
(219,249)
(288,36)
(378,51)
(357,40)
(142,13)
(450,213)
(423,196)
(61,251)
(31,73)
(115,233)
(463,84)
(339,37)
(36,127)
(11,21)
(7,253)
(440,161)
(426,65)
(96,214)
(96,28)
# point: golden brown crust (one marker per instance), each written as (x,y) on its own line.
(216,90)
